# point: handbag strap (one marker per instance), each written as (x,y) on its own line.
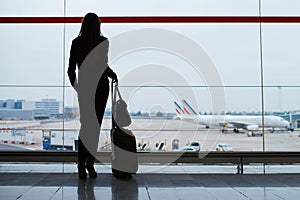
(114,91)
(118,91)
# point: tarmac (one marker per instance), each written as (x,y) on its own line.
(152,131)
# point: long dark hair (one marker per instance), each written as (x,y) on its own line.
(90,27)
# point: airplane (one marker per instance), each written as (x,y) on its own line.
(237,122)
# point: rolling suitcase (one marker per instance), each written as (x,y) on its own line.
(123,141)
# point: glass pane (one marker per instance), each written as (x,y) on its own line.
(151,8)
(27,114)
(283,102)
(16,8)
(281,44)
(32,54)
(278,7)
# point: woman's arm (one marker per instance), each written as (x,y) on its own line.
(72,64)
(111,74)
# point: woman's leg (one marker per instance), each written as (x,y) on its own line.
(82,156)
(87,148)
(101,97)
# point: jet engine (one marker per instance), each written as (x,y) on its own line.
(252,127)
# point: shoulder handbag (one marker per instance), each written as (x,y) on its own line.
(121,115)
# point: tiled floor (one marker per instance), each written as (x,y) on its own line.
(177,184)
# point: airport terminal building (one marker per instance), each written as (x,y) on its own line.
(29,110)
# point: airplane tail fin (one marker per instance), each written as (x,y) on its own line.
(178,109)
(188,109)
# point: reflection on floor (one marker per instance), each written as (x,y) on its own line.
(149,186)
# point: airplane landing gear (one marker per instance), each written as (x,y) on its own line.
(235,130)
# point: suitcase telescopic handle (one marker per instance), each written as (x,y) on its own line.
(113,102)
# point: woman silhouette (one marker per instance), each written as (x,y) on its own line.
(89,52)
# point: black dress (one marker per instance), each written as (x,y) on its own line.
(92,88)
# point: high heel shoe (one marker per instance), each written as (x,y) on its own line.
(92,172)
(82,173)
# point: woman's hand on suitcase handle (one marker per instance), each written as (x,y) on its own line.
(115,78)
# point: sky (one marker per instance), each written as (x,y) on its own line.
(37,54)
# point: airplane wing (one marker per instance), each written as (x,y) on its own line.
(243,125)
(238,124)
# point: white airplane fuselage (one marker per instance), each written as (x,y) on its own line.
(248,121)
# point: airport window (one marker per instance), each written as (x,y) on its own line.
(208,90)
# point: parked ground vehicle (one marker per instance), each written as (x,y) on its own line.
(254,134)
(61,140)
(143,146)
(194,144)
(187,149)
(160,146)
(224,147)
